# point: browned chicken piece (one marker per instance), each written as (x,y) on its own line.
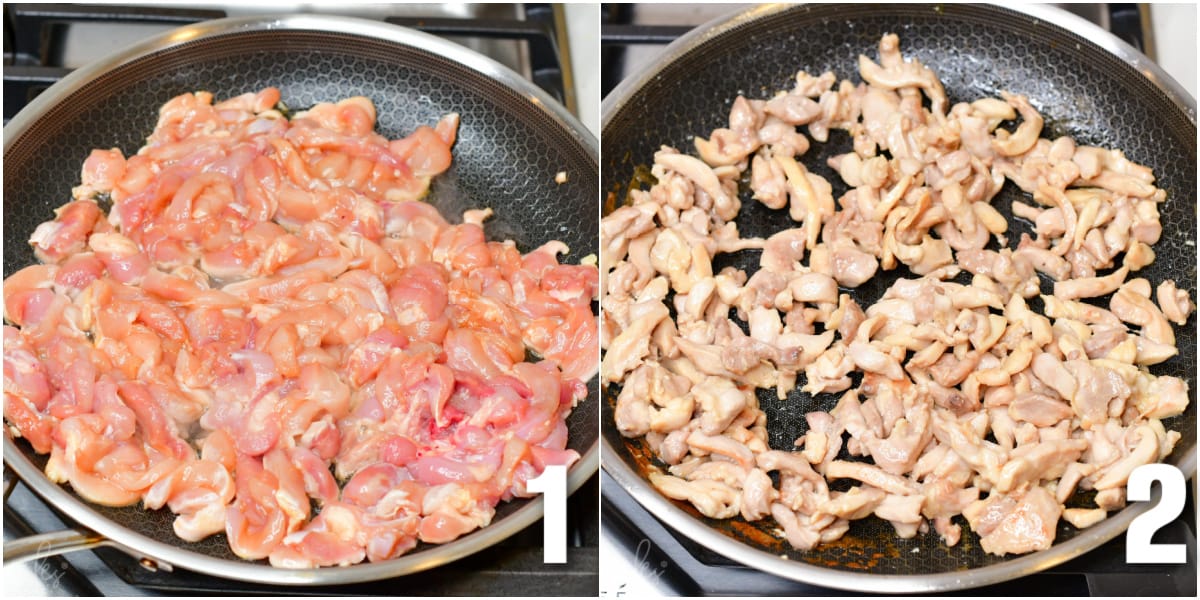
(1165,397)
(1101,392)
(1134,307)
(1082,518)
(1175,304)
(713,499)
(720,402)
(633,343)
(898,73)
(1144,452)
(857,503)
(850,266)
(800,530)
(730,146)
(768,181)
(1030,463)
(758,493)
(871,475)
(1090,287)
(829,372)
(1016,276)
(1039,409)
(725,205)
(903,512)
(1015,523)
(672,398)
(1027,132)
(784,250)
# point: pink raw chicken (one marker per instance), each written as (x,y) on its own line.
(268,308)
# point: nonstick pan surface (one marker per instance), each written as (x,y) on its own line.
(512,141)
(1108,96)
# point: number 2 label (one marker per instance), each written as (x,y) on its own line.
(552,485)
(1138,548)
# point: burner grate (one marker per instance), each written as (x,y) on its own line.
(35,37)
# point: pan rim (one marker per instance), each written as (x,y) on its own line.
(177,555)
(662,508)
(625,90)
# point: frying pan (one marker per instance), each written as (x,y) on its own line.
(512,140)
(1100,92)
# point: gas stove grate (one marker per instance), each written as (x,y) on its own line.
(34,41)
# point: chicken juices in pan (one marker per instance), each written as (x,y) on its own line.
(256,323)
(980,392)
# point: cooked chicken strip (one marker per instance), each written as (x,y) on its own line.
(1145,452)
(713,499)
(857,503)
(1082,518)
(1175,304)
(1090,287)
(1059,383)
(900,73)
(758,493)
(725,205)
(871,475)
(632,344)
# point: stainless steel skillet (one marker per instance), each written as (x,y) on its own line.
(1088,85)
(512,140)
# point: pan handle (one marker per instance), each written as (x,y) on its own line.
(54,543)
(51,544)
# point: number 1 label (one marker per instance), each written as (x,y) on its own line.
(1138,548)
(552,485)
